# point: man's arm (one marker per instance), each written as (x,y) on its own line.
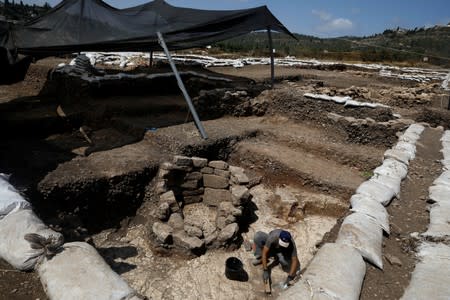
(265,254)
(294,265)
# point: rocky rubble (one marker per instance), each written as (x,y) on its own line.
(200,204)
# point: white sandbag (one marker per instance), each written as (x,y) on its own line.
(366,205)
(407,147)
(409,138)
(400,155)
(439,220)
(446,136)
(377,191)
(431,277)
(336,272)
(25,239)
(10,199)
(365,235)
(446,162)
(392,168)
(391,182)
(439,193)
(79,272)
(415,129)
(443,179)
(446,154)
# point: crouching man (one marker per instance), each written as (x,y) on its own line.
(279,245)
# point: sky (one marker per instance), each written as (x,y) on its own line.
(327,18)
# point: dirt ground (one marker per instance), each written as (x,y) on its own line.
(296,150)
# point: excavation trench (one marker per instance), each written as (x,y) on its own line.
(301,170)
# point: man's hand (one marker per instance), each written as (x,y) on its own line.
(289,279)
(266,275)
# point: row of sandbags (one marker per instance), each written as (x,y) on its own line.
(345,100)
(67,271)
(431,276)
(337,271)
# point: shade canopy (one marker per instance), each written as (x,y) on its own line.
(93,25)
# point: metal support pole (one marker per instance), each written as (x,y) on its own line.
(150,62)
(182,87)
(272,59)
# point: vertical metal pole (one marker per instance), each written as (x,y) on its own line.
(150,62)
(272,59)
(182,87)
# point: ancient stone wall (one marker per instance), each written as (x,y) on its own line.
(200,203)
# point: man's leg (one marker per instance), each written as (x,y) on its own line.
(259,240)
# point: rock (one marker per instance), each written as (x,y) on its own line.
(222,173)
(191,185)
(163,211)
(393,260)
(213,197)
(163,232)
(334,117)
(169,197)
(222,222)
(239,194)
(218,164)
(181,239)
(207,170)
(196,192)
(228,232)
(161,186)
(215,182)
(239,177)
(176,221)
(182,161)
(209,239)
(192,199)
(193,231)
(162,173)
(199,162)
(226,209)
(193,176)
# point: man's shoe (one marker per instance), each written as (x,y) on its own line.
(256,261)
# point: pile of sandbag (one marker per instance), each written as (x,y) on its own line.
(337,271)
(25,238)
(426,281)
(67,271)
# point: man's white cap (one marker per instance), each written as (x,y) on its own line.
(283,244)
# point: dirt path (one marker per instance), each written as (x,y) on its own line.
(407,215)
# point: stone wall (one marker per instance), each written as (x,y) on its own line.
(200,203)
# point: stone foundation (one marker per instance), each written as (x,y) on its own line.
(200,203)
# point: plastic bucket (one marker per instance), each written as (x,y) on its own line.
(234,269)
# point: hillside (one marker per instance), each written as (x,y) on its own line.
(18,11)
(399,45)
(430,45)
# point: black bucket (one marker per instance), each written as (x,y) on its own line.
(234,269)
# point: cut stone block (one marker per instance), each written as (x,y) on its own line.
(199,162)
(193,176)
(213,197)
(222,173)
(240,194)
(215,182)
(192,199)
(207,170)
(218,164)
(182,161)
(191,185)
(169,197)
